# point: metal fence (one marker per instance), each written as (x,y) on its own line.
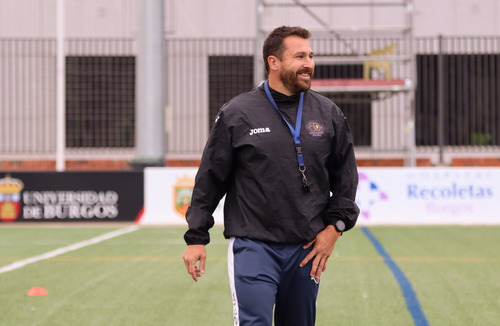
(458,95)
(456,100)
(27,97)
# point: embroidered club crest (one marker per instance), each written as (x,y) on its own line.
(315,129)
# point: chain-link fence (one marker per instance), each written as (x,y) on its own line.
(456,108)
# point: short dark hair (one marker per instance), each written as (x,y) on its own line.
(274,45)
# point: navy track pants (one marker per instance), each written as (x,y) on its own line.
(266,276)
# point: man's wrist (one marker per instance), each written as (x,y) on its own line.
(339,225)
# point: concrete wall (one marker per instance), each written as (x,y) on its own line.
(236,18)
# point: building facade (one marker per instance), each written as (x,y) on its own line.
(211,48)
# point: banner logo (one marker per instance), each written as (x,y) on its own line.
(369,194)
(183,190)
(10,198)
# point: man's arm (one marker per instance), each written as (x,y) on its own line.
(211,183)
(343,178)
(342,211)
(210,186)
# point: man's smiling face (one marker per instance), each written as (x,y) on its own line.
(297,64)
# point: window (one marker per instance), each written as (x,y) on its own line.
(471,100)
(100,101)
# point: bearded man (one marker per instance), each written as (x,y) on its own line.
(283,157)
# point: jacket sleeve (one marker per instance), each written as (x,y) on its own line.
(211,183)
(343,175)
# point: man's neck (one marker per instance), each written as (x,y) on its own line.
(278,86)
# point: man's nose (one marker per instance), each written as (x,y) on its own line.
(309,63)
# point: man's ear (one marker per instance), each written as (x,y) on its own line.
(273,62)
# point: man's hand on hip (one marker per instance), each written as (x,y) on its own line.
(323,248)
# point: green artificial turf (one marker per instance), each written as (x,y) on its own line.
(139,278)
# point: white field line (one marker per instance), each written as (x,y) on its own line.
(72,247)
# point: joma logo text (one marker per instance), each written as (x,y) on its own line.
(259,131)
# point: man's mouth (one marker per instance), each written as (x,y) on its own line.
(305,75)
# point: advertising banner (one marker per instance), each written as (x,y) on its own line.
(168,195)
(429,196)
(71,196)
(386,196)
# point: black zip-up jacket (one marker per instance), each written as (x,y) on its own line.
(250,157)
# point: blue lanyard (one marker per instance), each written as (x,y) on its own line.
(294,131)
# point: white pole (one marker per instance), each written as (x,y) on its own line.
(258,63)
(150,87)
(413,78)
(60,90)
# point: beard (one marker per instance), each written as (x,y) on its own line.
(293,83)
